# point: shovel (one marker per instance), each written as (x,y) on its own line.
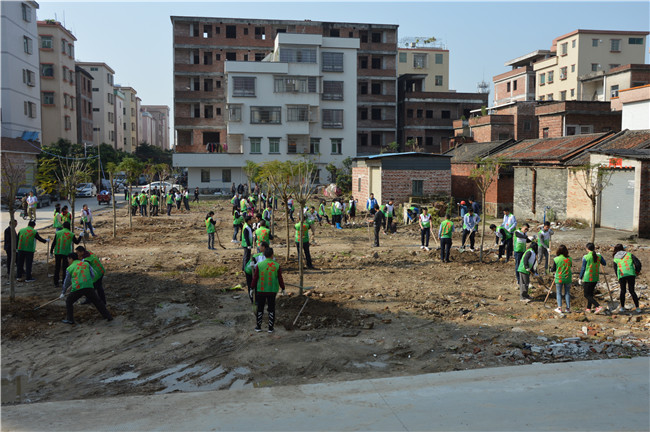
(290,326)
(612,304)
(45,304)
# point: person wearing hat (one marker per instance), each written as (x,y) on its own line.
(627,267)
(462,207)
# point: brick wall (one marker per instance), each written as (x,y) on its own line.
(553,124)
(644,210)
(492,132)
(361,193)
(499,195)
(550,191)
(396,184)
(578,205)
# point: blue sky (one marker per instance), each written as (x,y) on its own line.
(135,38)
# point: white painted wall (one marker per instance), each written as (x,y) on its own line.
(636,115)
(99,71)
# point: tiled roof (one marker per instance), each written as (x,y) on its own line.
(550,150)
(19,145)
(624,140)
(468,152)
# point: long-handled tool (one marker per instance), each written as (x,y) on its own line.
(550,288)
(218,240)
(45,304)
(47,260)
(612,304)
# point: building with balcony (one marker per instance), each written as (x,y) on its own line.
(119,118)
(160,116)
(299,102)
(58,78)
(604,85)
(84,93)
(103,103)
(21,86)
(130,121)
(203,45)
(518,84)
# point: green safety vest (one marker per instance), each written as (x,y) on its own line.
(209,225)
(80,274)
(244,243)
(134,200)
(520,244)
(27,239)
(522,266)
(242,204)
(267,280)
(321,209)
(266,214)
(563,269)
(335,210)
(508,234)
(170,199)
(249,265)
(237,220)
(262,234)
(425,224)
(625,266)
(143,199)
(447,228)
(63,240)
(233,200)
(97,266)
(57,224)
(154,200)
(305,232)
(541,242)
(66,217)
(592,269)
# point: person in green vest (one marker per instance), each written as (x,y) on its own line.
(87,220)
(247,245)
(304,241)
(79,278)
(502,236)
(234,201)
(470,228)
(627,267)
(266,214)
(209,225)
(527,265)
(520,241)
(543,243)
(510,224)
(250,267)
(267,280)
(170,202)
(262,234)
(186,199)
(26,247)
(243,205)
(389,212)
(65,216)
(57,223)
(561,265)
(142,201)
(61,247)
(337,210)
(178,198)
(412,213)
(322,213)
(444,234)
(134,204)
(154,205)
(237,223)
(98,269)
(290,208)
(590,275)
(425,228)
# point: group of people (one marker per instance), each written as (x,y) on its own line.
(148,202)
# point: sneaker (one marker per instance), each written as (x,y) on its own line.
(233,241)
(588,310)
(471,249)
(567,311)
(258,329)
(426,248)
(20,279)
(598,310)
(558,310)
(525,300)
(270,330)
(30,280)
(65,321)
(637,310)
(621,309)
(421,247)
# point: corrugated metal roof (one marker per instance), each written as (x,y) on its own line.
(550,150)
(468,152)
(639,154)
(624,140)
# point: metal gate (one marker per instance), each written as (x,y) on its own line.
(617,204)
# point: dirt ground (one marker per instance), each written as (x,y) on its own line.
(371,312)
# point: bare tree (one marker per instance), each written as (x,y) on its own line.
(150,171)
(12,177)
(112,168)
(592,179)
(484,174)
(132,169)
(73,172)
(277,175)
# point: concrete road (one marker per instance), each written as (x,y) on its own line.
(589,395)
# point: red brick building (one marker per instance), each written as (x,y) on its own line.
(558,119)
(518,84)
(512,120)
(398,176)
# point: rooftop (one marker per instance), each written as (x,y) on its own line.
(469,152)
(526,58)
(551,150)
(624,140)
(410,154)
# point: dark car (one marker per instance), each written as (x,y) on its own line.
(44,199)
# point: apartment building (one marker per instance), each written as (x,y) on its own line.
(518,84)
(103,103)
(203,45)
(84,97)
(119,117)
(583,52)
(160,115)
(21,87)
(431,63)
(130,114)
(603,86)
(301,101)
(147,127)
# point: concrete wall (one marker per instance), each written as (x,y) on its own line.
(550,191)
(216,178)
(578,204)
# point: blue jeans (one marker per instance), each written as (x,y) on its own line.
(518,256)
(558,294)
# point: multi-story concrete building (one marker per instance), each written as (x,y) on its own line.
(130,113)
(634,104)
(147,127)
(518,84)
(603,86)
(103,102)
(432,64)
(583,52)
(21,94)
(203,45)
(58,88)
(84,94)
(160,115)
(120,117)
(277,111)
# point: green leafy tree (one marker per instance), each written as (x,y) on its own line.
(484,174)
(73,172)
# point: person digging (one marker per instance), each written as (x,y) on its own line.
(79,278)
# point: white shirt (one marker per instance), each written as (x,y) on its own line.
(31,201)
(390,210)
(509,222)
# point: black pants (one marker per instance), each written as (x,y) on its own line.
(509,247)
(471,235)
(589,288)
(99,288)
(377,229)
(60,262)
(246,258)
(262,298)
(8,252)
(134,210)
(210,240)
(305,248)
(178,205)
(389,225)
(143,209)
(291,215)
(169,209)
(24,260)
(196,198)
(92,297)
(186,202)
(425,233)
(627,282)
(445,248)
(154,210)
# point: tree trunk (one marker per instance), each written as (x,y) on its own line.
(480,255)
(593,220)
(12,267)
(300,269)
(128,206)
(110,175)
(71,200)
(286,206)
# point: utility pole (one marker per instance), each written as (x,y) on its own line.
(99,169)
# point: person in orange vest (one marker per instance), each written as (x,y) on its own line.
(26,247)
(79,278)
(627,267)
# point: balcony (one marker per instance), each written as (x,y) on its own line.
(377,73)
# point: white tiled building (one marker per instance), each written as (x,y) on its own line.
(103,103)
(300,101)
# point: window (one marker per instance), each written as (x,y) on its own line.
(260,33)
(332,119)
(438,80)
(563,73)
(594,42)
(243,86)
(231,32)
(207,31)
(225,176)
(66,100)
(409,113)
(429,114)
(95,109)
(298,55)
(419,61)
(68,123)
(208,111)
(207,58)
(337,144)
(375,114)
(314,145)
(65,73)
(291,146)
(363,113)
(27,12)
(335,33)
(595,67)
(256,145)
(359,184)
(376,63)
(259,57)
(363,88)
(63,46)
(429,141)
(274,145)
(375,139)
(402,57)
(549,96)
(332,62)
(613,91)
(245,31)
(563,95)
(541,97)
(573,92)
(332,90)
(417,187)
(545,132)
(542,79)
(47,70)
(445,114)
(110,117)
(30,109)
(508,86)
(375,88)
(110,98)
(635,41)
(27,45)
(231,56)
(527,125)
(46,42)
(564,48)
(615,45)
(573,43)
(95,89)
(376,37)
(298,113)
(245,57)
(29,77)
(266,115)
(550,76)
(573,68)
(363,62)
(439,58)
(48,98)
(613,65)
(419,113)
(514,85)
(291,84)
(234,113)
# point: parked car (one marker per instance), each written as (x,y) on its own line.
(86,190)
(44,199)
(160,185)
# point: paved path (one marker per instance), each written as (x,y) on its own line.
(589,395)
